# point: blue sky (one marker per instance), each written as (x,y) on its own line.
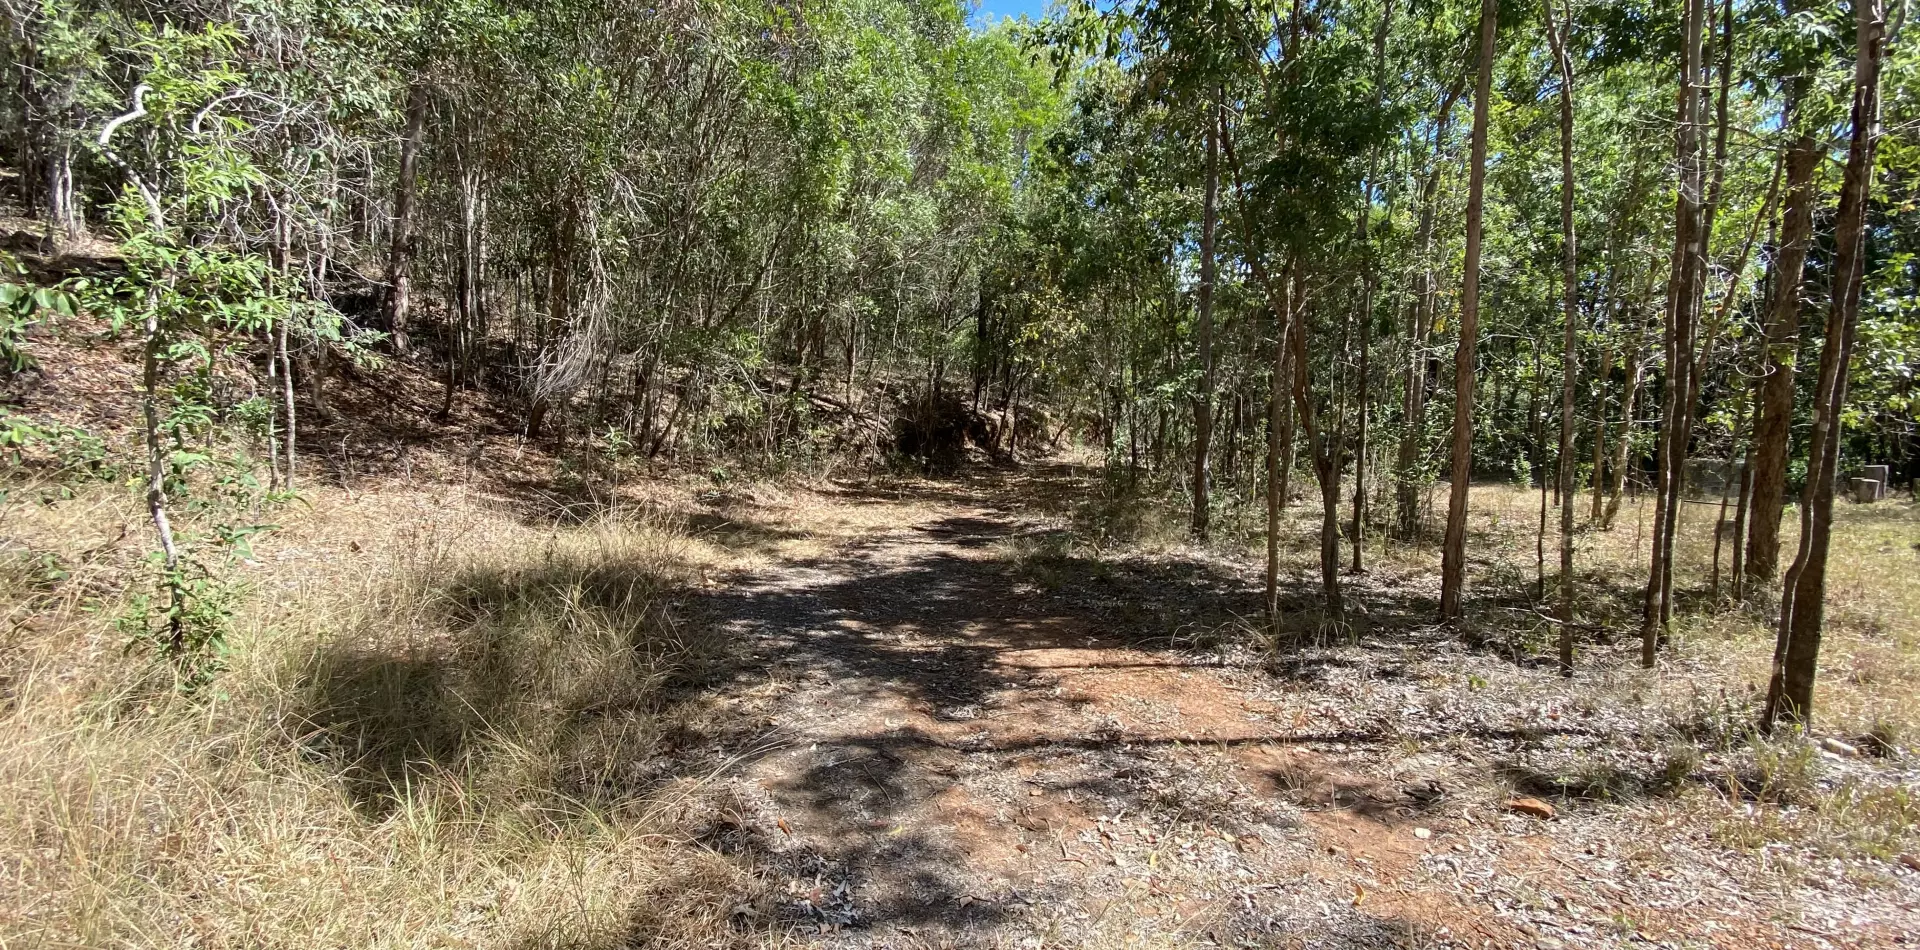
(1008,9)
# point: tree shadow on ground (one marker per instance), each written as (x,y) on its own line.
(603,684)
(567,679)
(937,625)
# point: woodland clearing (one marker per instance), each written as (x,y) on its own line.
(606,474)
(1010,708)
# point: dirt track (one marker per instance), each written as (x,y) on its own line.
(971,744)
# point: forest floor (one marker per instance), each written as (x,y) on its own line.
(984,711)
(982,731)
(470,702)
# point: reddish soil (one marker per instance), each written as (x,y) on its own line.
(967,756)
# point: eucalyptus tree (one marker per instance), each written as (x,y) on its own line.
(1803,601)
(54,52)
(1570,291)
(1453,569)
(1800,50)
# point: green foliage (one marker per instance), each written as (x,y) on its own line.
(187,624)
(744,234)
(71,452)
(24,305)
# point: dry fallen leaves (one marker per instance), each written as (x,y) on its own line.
(1530,806)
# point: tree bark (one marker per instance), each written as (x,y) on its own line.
(1453,562)
(1680,340)
(400,252)
(1570,306)
(1782,342)
(1203,400)
(1360,432)
(1595,478)
(1325,451)
(1277,432)
(1802,604)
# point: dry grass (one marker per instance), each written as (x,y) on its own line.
(1870,654)
(1706,692)
(1870,651)
(440,727)
(449,722)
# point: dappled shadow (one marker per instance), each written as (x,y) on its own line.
(566,679)
(923,661)
(908,717)
(938,622)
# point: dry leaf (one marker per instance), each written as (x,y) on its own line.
(1530,806)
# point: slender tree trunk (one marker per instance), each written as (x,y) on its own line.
(1675,415)
(1537,468)
(63,207)
(1369,287)
(400,253)
(1280,301)
(1203,400)
(1743,507)
(465,281)
(1276,475)
(1288,433)
(1741,423)
(1570,309)
(1360,432)
(1802,604)
(1597,474)
(152,344)
(46,99)
(280,375)
(1623,443)
(1230,453)
(1771,431)
(1325,451)
(1408,482)
(1702,344)
(1453,563)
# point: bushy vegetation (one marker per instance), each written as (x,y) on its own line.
(1643,271)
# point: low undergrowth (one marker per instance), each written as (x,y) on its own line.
(442,720)
(437,726)
(1692,724)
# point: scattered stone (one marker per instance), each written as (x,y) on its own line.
(1838,747)
(1423,833)
(1532,807)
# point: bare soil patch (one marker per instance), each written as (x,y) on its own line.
(981,733)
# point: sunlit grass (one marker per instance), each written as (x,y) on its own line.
(432,731)
(442,719)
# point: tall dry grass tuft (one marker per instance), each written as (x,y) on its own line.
(439,726)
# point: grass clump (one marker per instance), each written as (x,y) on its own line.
(438,726)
